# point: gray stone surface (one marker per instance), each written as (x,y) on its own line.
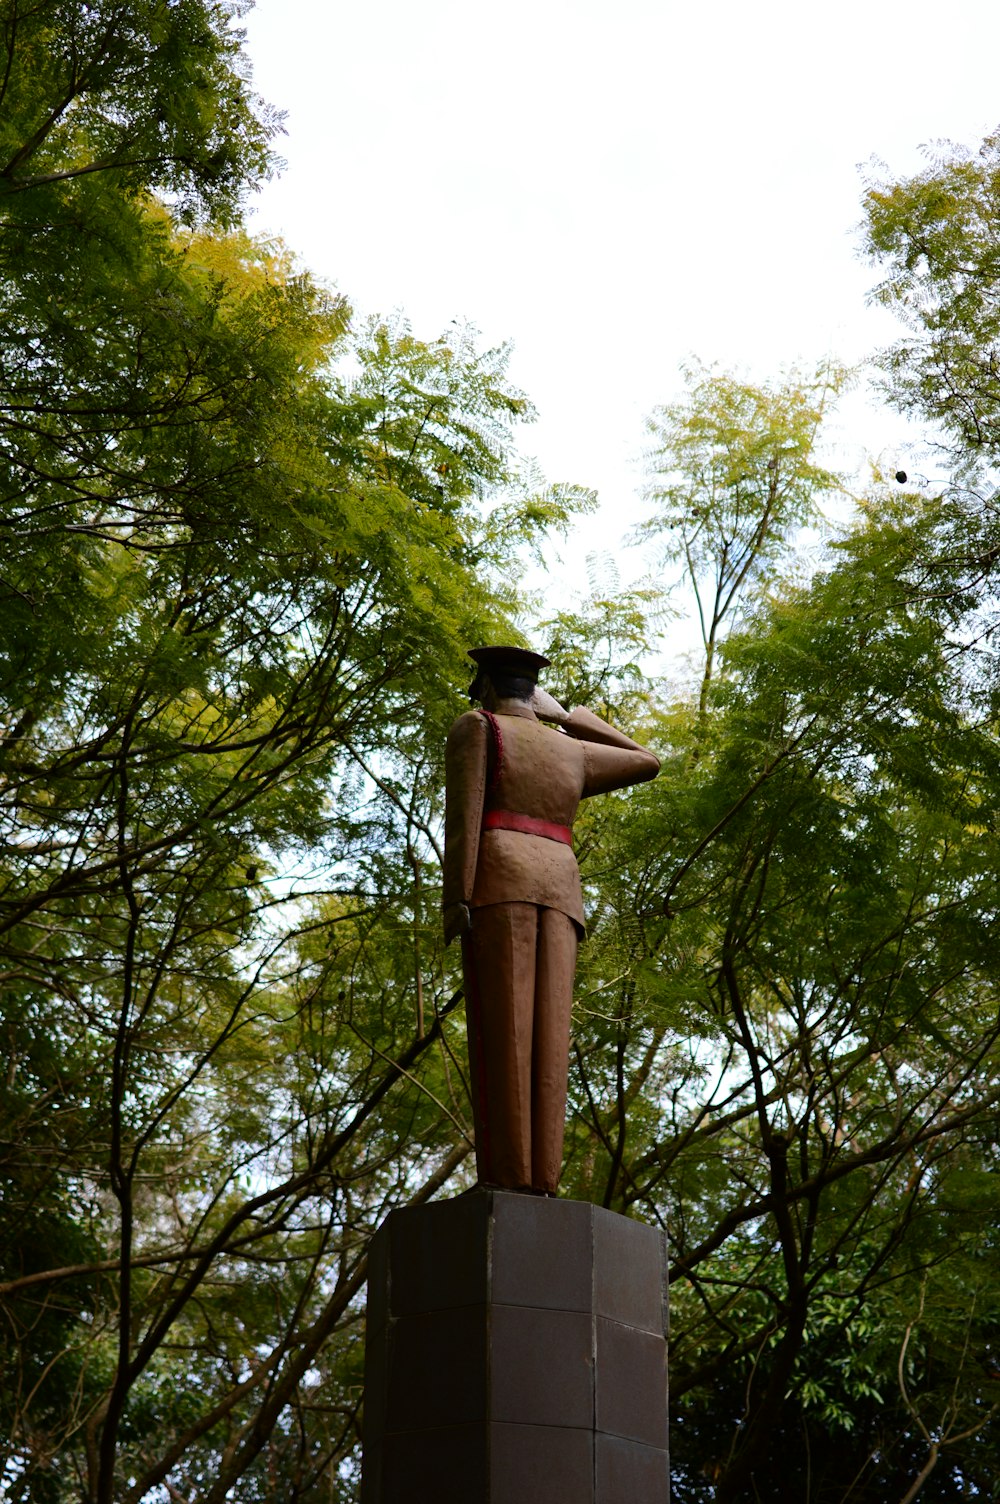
(631,1383)
(622,1247)
(515,1352)
(541,1367)
(554,1464)
(626,1472)
(542,1253)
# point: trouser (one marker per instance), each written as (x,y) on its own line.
(519,961)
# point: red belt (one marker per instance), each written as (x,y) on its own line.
(528,825)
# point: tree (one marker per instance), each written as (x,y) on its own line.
(787,1050)
(244,546)
(240,538)
(732,474)
(108,99)
(934,239)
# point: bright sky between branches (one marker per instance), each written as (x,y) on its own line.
(614,187)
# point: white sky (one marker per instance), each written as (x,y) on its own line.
(614,187)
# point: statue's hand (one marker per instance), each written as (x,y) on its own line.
(457,921)
(547,708)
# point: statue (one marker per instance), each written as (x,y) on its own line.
(512,892)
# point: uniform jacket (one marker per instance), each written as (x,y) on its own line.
(545,774)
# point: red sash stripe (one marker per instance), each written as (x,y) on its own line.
(528,825)
(497,734)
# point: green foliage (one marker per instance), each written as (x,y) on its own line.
(151,95)
(433,419)
(732,475)
(598,651)
(934,237)
(787,1036)
(244,544)
(240,538)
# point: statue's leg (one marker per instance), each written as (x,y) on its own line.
(499,964)
(556,966)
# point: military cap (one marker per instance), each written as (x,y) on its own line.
(521,662)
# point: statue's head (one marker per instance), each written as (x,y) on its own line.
(512,672)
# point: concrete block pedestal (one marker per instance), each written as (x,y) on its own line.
(515,1353)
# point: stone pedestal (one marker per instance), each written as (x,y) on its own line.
(515,1355)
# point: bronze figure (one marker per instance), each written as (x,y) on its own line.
(512,891)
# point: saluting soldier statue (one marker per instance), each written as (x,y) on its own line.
(512,891)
